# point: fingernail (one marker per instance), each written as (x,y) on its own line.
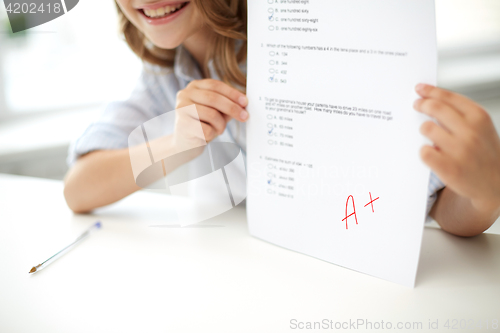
(243,115)
(420,87)
(243,100)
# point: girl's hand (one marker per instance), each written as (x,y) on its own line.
(466,151)
(216,103)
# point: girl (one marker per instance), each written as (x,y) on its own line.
(194,53)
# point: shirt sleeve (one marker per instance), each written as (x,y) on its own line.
(435,184)
(112,128)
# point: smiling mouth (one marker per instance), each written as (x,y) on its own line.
(163,11)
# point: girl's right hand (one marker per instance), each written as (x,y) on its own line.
(216,103)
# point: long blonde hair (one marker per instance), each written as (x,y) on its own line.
(227,18)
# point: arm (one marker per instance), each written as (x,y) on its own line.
(102,177)
(99,178)
(457,215)
(465,155)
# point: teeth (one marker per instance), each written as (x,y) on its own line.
(161,11)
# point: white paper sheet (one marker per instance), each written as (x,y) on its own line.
(331,88)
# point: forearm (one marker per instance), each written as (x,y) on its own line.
(105,176)
(98,179)
(457,215)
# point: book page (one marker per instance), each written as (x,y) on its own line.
(333,142)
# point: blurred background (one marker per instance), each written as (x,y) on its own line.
(56,78)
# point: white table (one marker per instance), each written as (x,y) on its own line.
(138,275)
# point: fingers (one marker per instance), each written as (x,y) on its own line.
(212,117)
(209,132)
(187,126)
(223,89)
(226,117)
(460,116)
(220,103)
(449,118)
(442,165)
(212,95)
(221,97)
(462,104)
(439,136)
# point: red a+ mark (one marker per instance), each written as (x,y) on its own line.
(354,213)
(371,201)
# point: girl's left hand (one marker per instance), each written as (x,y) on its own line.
(466,151)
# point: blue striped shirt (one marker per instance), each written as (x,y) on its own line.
(154,95)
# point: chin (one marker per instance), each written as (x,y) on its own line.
(163,43)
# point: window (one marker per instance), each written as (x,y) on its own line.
(74,61)
(467,23)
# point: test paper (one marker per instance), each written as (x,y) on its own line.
(333,141)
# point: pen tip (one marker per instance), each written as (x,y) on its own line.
(33,270)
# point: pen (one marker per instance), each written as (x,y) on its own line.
(96,226)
